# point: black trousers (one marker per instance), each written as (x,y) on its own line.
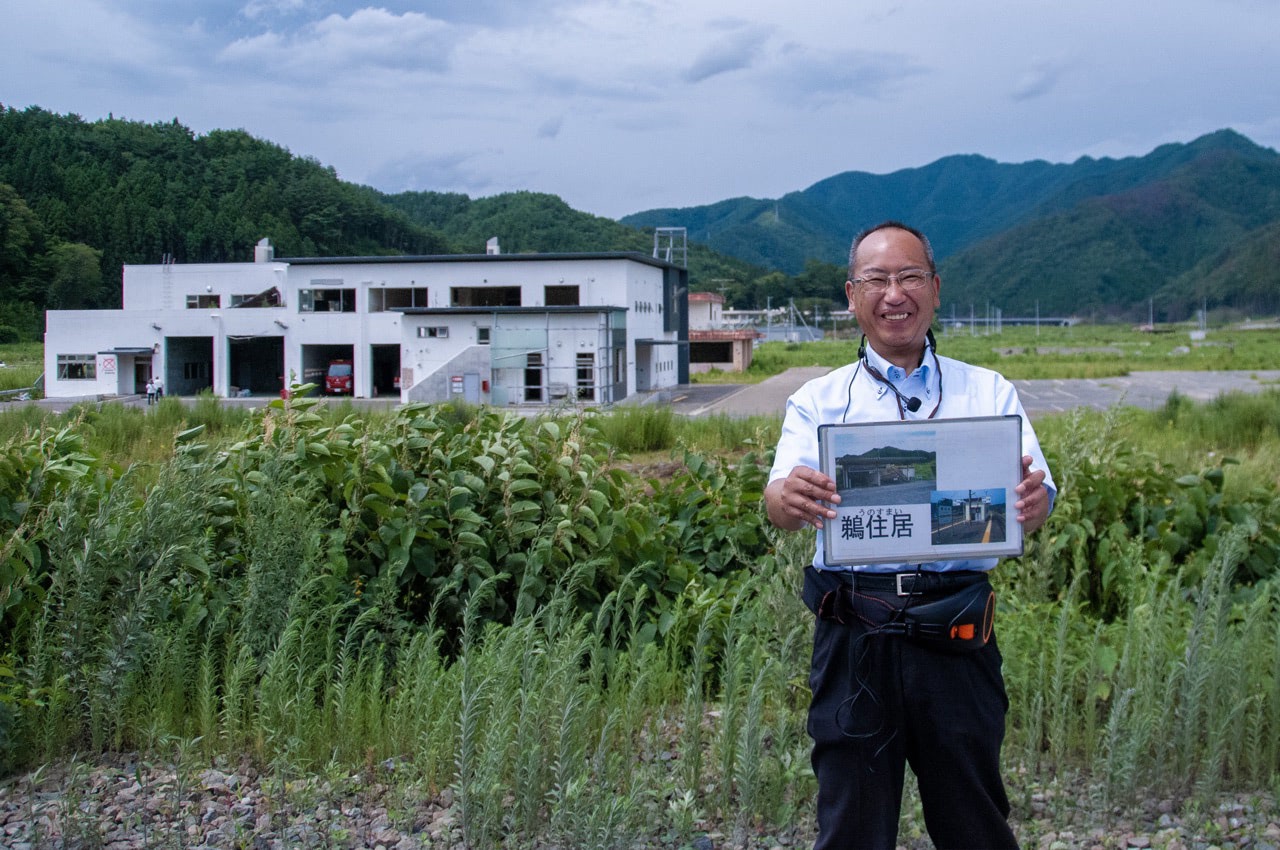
(881,702)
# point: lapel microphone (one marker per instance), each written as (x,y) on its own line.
(912,404)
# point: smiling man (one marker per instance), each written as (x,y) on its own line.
(881,701)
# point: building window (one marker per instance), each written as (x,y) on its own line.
(326,301)
(562,296)
(533,376)
(383,299)
(482,336)
(196,370)
(270,298)
(77,367)
(484,296)
(204,302)
(586,376)
(433,333)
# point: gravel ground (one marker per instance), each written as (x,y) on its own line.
(126,802)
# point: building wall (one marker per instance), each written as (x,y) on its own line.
(156,311)
(166,287)
(557,342)
(706,312)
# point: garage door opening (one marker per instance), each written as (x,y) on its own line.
(386,369)
(188,365)
(317,361)
(256,366)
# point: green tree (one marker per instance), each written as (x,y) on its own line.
(20,232)
(74,276)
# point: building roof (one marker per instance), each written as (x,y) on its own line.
(635,256)
(464,311)
(713,297)
(696,335)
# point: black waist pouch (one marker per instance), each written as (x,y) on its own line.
(959,621)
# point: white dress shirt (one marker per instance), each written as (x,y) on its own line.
(954,389)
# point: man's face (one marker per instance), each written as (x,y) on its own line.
(895,320)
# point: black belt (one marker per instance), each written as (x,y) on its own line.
(914,583)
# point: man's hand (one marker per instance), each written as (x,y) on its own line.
(797,500)
(1033,498)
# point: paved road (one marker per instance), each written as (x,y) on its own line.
(1147,390)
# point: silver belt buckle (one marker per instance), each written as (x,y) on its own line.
(900,577)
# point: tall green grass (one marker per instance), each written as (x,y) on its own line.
(196,609)
(23,365)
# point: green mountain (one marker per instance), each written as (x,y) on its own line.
(1150,235)
(1097,237)
(956,200)
(527,222)
(80,199)
(1185,226)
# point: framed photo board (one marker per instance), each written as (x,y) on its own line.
(923,490)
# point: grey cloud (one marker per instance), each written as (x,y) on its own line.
(551,127)
(368,38)
(811,75)
(1036,82)
(458,171)
(563,86)
(256,9)
(487,13)
(734,52)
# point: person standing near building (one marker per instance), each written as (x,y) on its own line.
(151,392)
(159,388)
(881,701)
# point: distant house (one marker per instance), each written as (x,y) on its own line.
(490,328)
(713,344)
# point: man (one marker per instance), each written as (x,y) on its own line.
(881,701)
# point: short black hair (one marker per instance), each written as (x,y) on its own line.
(893,225)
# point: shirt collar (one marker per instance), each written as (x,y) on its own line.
(896,373)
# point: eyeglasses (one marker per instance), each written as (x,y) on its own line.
(908,279)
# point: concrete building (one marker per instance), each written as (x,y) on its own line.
(713,344)
(490,328)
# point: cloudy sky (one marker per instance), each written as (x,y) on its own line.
(619,106)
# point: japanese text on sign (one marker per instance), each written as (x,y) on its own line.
(876,524)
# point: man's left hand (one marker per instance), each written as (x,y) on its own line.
(1033,499)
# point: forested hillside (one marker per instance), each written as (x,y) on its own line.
(537,222)
(79,199)
(1203,231)
(1185,225)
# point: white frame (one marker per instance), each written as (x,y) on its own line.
(965,510)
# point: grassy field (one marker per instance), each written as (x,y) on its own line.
(23,364)
(1019,353)
(1023,353)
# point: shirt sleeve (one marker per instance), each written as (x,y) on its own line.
(798,443)
(1009,403)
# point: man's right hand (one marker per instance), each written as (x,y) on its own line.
(798,500)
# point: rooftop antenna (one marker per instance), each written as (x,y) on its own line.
(671,244)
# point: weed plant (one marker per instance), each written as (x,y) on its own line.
(490,607)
